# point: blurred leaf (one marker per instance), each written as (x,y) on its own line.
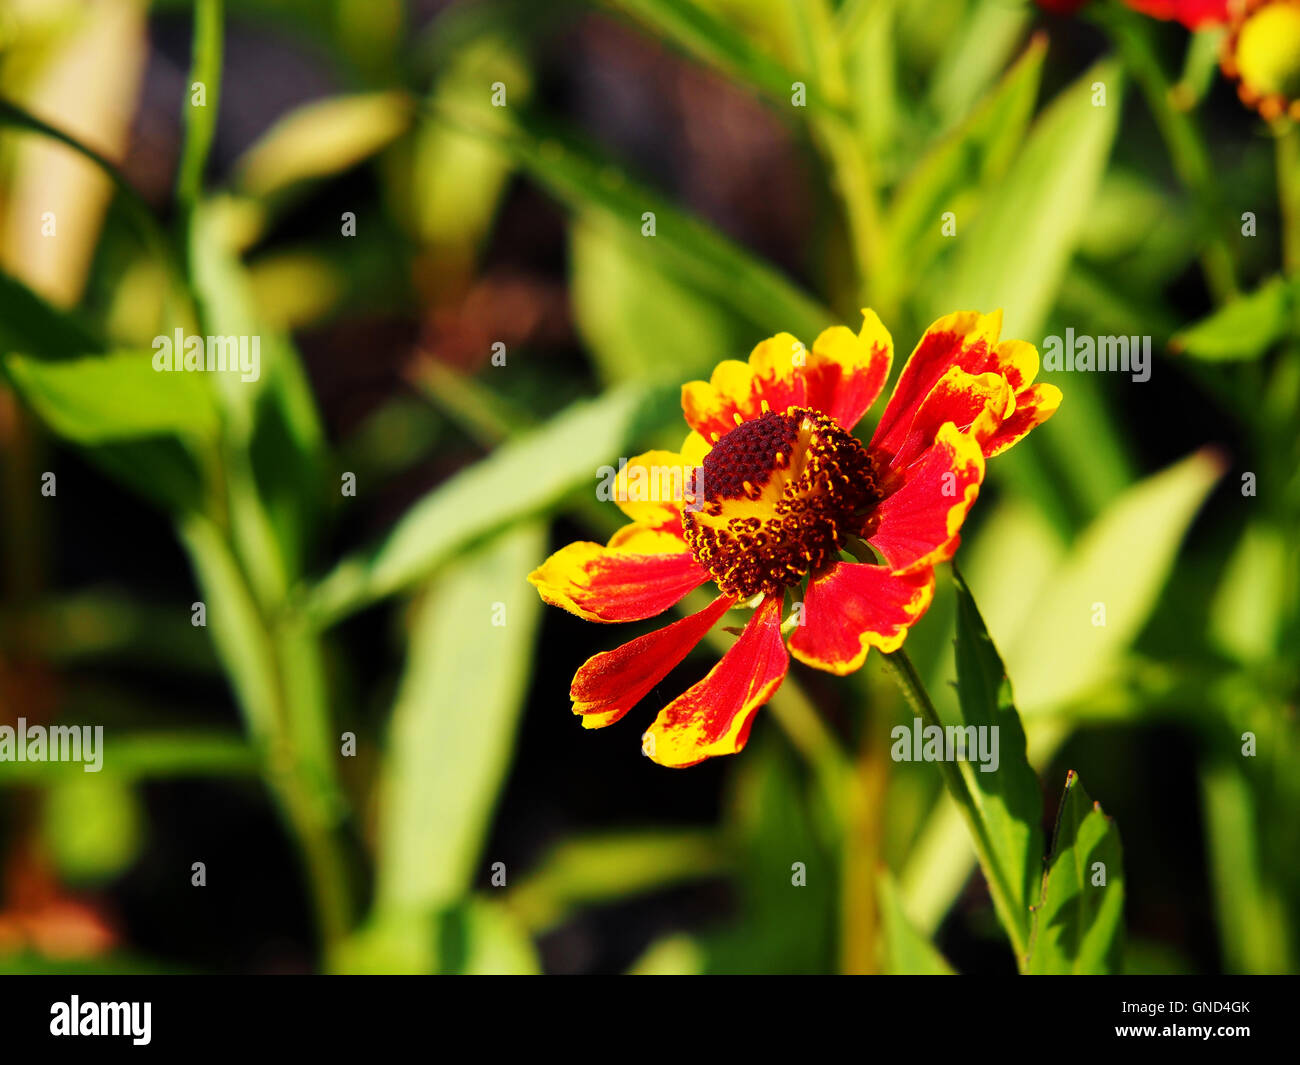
(907,951)
(271,426)
(980,49)
(521,478)
(453,727)
(92,824)
(1096,604)
(29,324)
(322,138)
(707,37)
(1251,930)
(607,868)
(781,926)
(1006,800)
(637,321)
(1079,927)
(472,937)
(1014,253)
(113,397)
(963,165)
(1247,611)
(1246,328)
(150,755)
(674,955)
(683,245)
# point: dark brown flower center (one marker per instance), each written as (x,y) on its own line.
(780,496)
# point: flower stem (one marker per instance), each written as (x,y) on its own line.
(904,672)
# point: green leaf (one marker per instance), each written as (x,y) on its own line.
(521,478)
(92,825)
(1246,328)
(1015,252)
(637,320)
(1007,799)
(683,245)
(322,138)
(113,397)
(29,324)
(1088,613)
(707,37)
(1079,925)
(907,951)
(599,869)
(981,47)
(963,165)
(453,727)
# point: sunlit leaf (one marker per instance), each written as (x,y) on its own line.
(907,951)
(1015,252)
(113,397)
(1079,925)
(1007,800)
(1247,327)
(452,731)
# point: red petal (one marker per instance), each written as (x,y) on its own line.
(715,715)
(855,606)
(919,523)
(609,684)
(601,584)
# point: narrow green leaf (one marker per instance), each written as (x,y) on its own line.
(521,478)
(453,727)
(707,37)
(1079,925)
(1246,328)
(907,951)
(591,870)
(1015,252)
(1007,798)
(638,321)
(964,164)
(993,29)
(1089,612)
(683,245)
(113,397)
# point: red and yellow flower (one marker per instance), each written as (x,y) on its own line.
(781,497)
(1262,54)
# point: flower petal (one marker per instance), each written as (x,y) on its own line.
(1033,407)
(714,716)
(964,339)
(917,525)
(854,606)
(974,403)
(739,389)
(613,584)
(845,373)
(651,487)
(609,684)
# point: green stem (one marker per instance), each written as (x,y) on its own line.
(200,125)
(904,672)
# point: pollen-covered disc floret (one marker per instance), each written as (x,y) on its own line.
(776,499)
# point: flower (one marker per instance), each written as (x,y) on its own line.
(1194,14)
(1263,54)
(777,489)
